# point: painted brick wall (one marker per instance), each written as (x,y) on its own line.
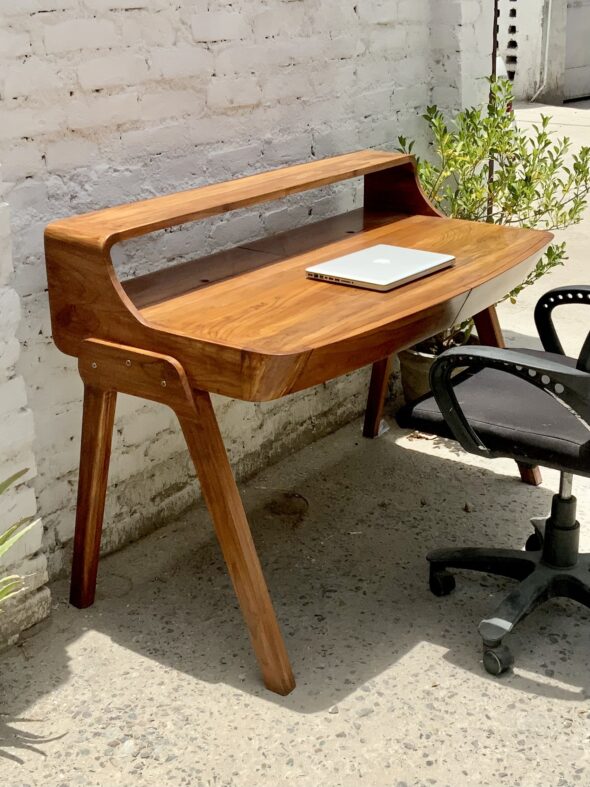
(105,101)
(16,454)
(521,29)
(533,42)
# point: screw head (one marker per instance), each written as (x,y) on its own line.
(127,362)
(94,364)
(163,383)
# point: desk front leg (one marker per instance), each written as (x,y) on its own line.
(223,499)
(490,333)
(161,378)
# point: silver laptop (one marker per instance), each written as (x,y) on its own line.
(380,267)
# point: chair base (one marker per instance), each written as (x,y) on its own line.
(539,581)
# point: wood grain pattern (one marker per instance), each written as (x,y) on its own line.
(95,452)
(149,375)
(161,379)
(233,533)
(247,323)
(376,397)
(313,236)
(275,309)
(403,193)
(488,328)
(103,228)
(269,331)
(175,280)
(282,322)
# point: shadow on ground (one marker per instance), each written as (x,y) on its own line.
(342,530)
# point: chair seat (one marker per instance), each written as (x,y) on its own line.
(511,417)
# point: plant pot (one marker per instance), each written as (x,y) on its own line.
(414,370)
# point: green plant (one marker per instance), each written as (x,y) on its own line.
(528,184)
(13,584)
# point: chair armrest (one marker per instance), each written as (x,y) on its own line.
(570,386)
(575,293)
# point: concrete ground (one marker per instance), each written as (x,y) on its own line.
(156,684)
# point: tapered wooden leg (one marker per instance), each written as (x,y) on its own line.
(162,379)
(376,398)
(95,451)
(488,328)
(530,474)
(490,333)
(233,532)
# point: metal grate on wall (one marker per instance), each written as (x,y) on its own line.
(512,44)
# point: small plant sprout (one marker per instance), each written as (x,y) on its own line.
(14,583)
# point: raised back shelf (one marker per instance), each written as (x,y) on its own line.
(105,227)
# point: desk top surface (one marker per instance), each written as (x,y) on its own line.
(274,309)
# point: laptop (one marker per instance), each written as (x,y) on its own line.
(380,267)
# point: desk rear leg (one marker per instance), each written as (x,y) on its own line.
(380,373)
(221,494)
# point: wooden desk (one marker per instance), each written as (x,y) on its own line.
(247,323)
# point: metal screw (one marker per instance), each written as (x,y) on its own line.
(94,364)
(163,383)
(127,362)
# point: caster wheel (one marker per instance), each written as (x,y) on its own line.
(497,660)
(442,582)
(534,543)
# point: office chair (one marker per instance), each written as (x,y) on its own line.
(532,406)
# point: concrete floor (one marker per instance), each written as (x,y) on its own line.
(156,684)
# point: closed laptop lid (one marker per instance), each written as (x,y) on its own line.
(382,265)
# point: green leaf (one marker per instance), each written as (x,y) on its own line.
(13,584)
(533,186)
(10,481)
(11,588)
(15,532)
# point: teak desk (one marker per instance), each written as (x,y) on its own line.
(247,323)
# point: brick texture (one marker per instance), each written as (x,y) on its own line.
(16,454)
(105,101)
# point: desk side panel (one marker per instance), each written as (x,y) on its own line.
(85,297)
(398,190)
(491,292)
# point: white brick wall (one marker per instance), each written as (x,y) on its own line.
(105,101)
(16,453)
(212,26)
(74,34)
(524,23)
(462,40)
